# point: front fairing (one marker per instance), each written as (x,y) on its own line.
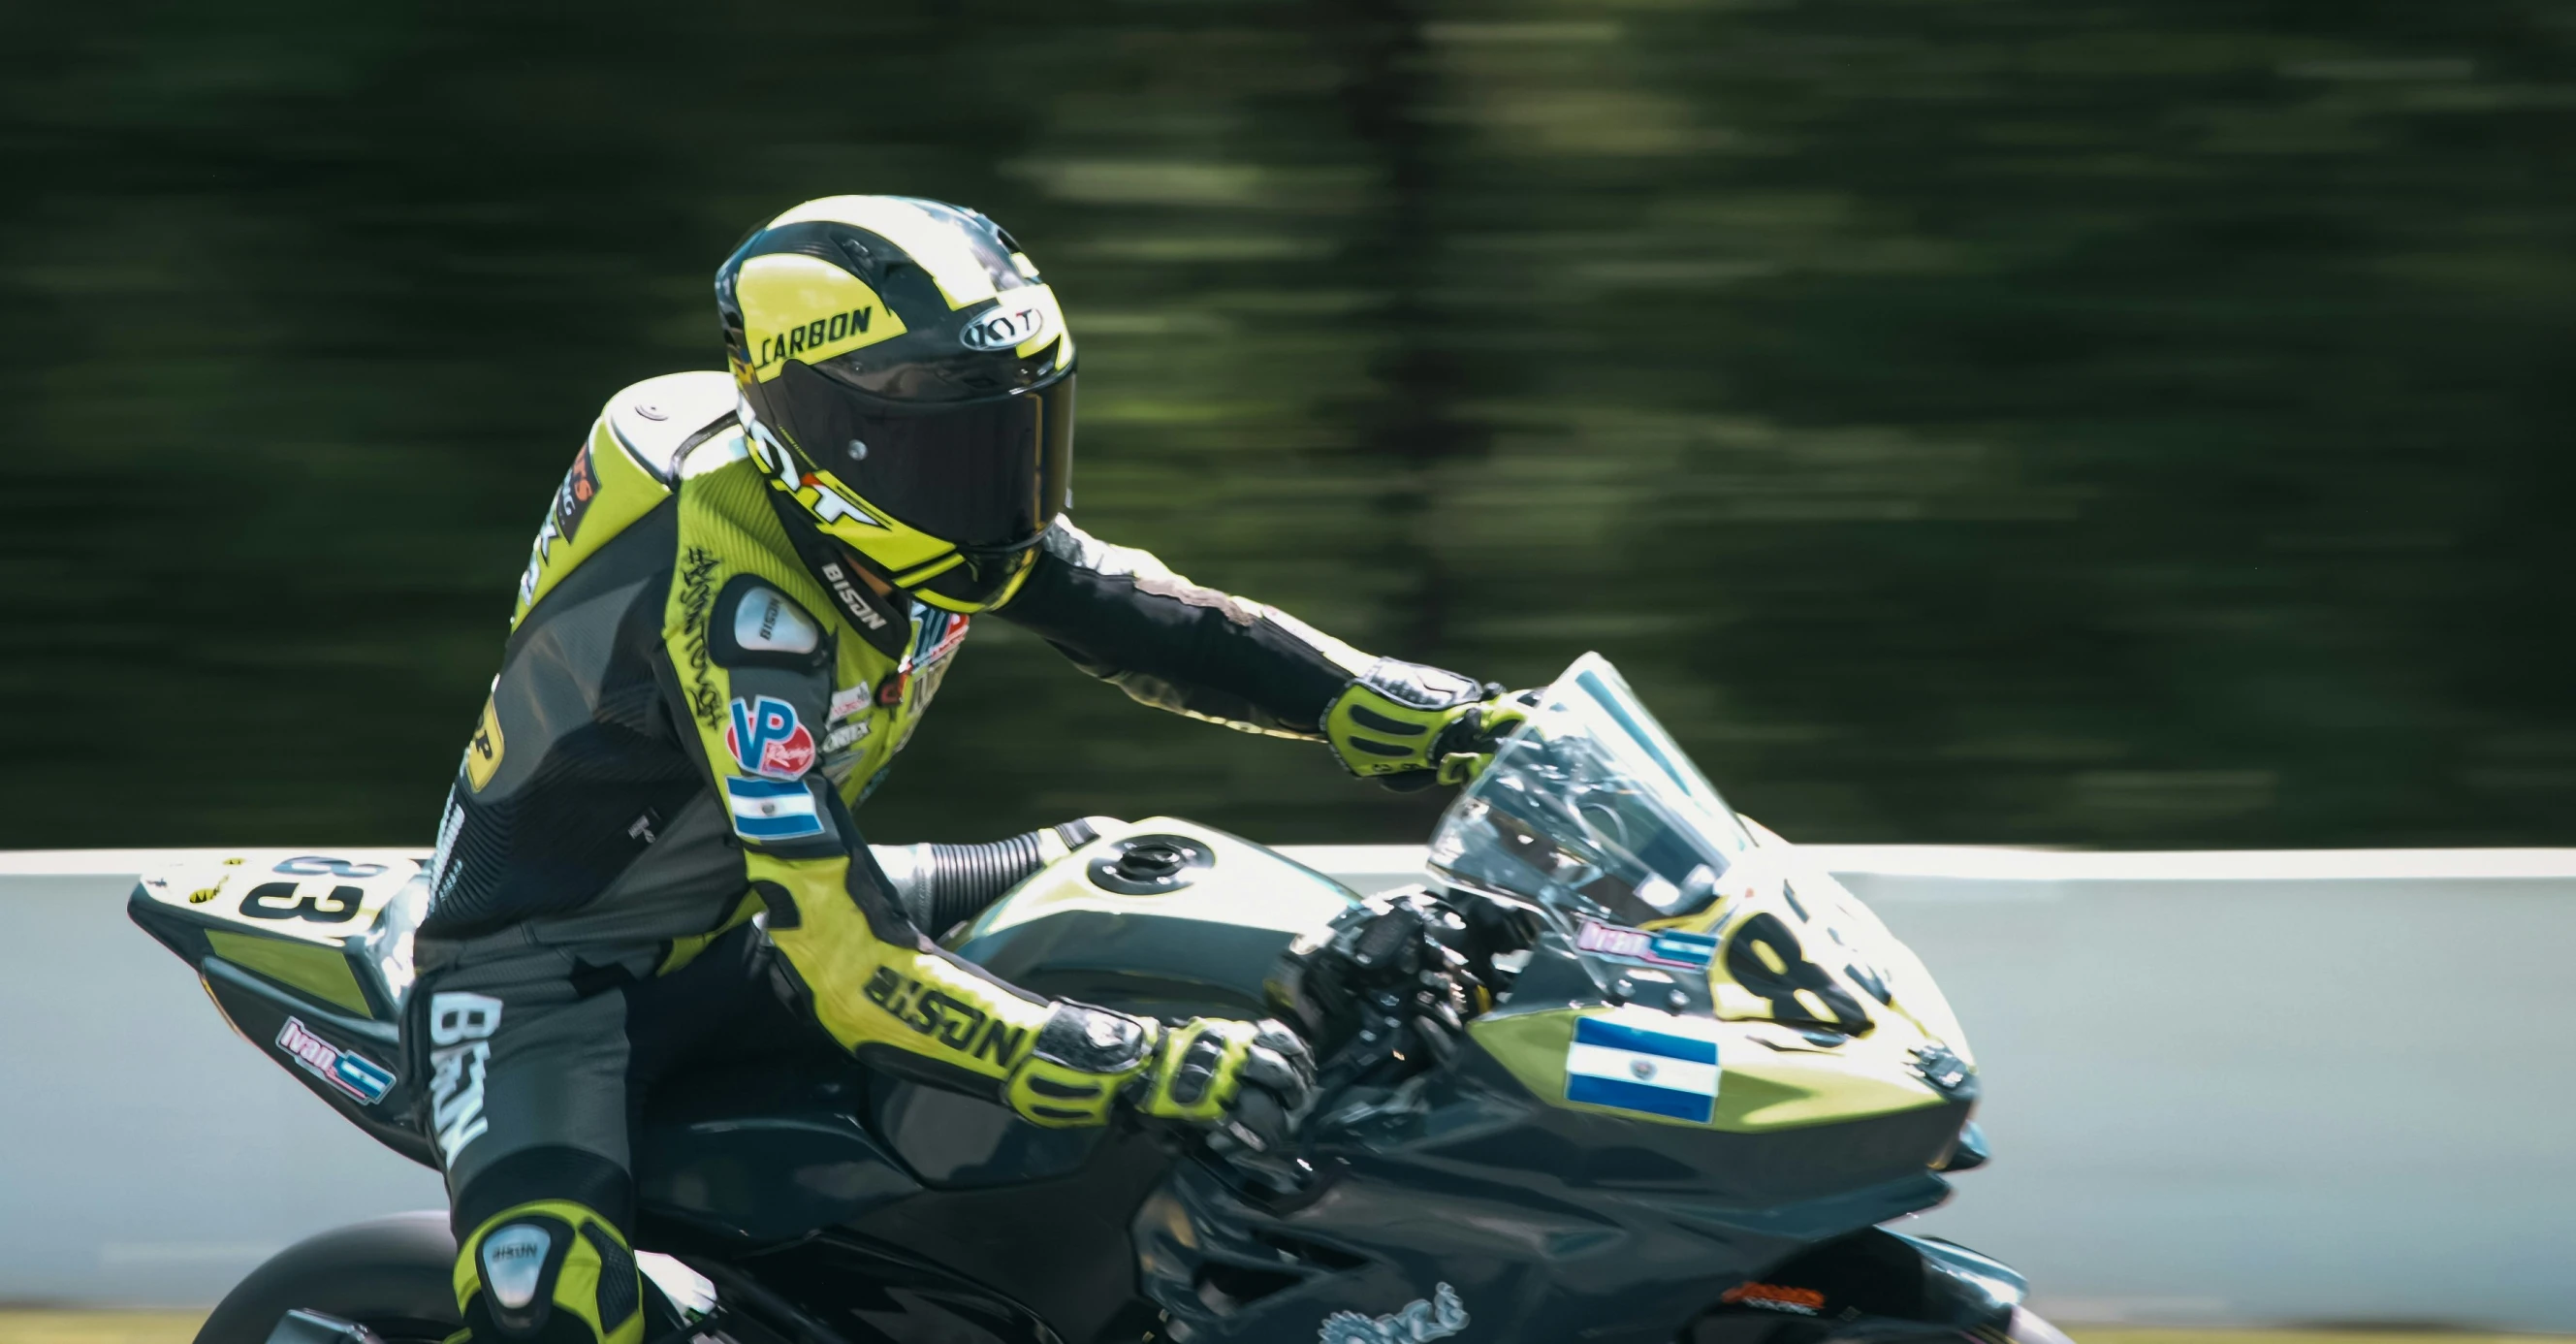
(1711,1058)
(1546,1221)
(1671,916)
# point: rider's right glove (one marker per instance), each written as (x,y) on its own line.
(1240,1077)
(1407,725)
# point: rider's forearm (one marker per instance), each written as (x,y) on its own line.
(1124,617)
(898,1001)
(876,985)
(870,978)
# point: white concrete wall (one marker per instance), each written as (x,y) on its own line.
(2227,1087)
(147,1154)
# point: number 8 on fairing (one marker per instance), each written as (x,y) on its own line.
(1767,959)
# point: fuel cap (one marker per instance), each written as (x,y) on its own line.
(1149,865)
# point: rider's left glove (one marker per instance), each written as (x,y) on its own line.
(1407,725)
(1242,1078)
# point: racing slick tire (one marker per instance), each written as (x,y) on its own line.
(393,1275)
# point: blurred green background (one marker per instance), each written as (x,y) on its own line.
(1976,420)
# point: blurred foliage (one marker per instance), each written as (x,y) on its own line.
(1972,420)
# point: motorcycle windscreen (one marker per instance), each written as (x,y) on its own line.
(1591,807)
(979,475)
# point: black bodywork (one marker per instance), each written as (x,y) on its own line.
(832,1205)
(886,1210)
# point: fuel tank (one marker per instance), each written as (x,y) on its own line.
(1161,916)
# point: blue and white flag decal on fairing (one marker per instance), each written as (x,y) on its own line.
(771,809)
(1647,1062)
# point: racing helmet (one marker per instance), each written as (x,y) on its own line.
(907,379)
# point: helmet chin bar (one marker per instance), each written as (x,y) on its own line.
(895,549)
(938,573)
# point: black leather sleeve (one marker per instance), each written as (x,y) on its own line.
(1123,617)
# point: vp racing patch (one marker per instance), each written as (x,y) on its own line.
(766,738)
(1418,1322)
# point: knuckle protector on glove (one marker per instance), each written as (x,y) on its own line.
(1195,1076)
(1467,746)
(1390,719)
(1267,1070)
(1200,1060)
(1273,1035)
(1094,1040)
(1420,685)
(1082,1057)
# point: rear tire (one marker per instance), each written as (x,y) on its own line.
(393,1275)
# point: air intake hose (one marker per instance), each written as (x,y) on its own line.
(943,886)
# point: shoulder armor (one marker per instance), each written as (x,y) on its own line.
(659,420)
(625,468)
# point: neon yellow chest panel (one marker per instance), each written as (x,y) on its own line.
(877,698)
(886,700)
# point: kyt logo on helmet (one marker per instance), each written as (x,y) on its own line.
(1006,328)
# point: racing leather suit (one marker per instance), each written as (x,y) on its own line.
(697,690)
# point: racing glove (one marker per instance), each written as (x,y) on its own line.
(1407,725)
(1240,1077)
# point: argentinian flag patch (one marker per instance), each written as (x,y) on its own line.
(772,809)
(1632,1059)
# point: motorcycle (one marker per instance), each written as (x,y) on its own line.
(1625,1069)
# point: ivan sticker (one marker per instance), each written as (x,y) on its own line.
(347,1070)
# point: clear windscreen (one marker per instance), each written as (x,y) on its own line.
(1591,809)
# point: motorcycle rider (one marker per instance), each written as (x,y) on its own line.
(741,602)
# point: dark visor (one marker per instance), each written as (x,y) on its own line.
(975,474)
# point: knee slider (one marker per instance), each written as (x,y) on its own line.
(551,1272)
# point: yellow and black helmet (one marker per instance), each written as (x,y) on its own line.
(908,379)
